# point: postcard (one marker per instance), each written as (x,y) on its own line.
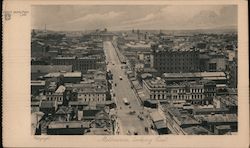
(125,74)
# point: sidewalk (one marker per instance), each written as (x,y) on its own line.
(118,127)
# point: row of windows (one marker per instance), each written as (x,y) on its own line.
(84,67)
(82,63)
(210,95)
(175,55)
(91,95)
(174,97)
(176,68)
(197,90)
(176,59)
(184,97)
(183,91)
(92,99)
(55,98)
(175,62)
(158,96)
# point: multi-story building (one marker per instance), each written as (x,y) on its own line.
(217,77)
(186,91)
(233,74)
(212,61)
(201,92)
(66,77)
(89,92)
(58,95)
(156,88)
(40,70)
(37,87)
(217,62)
(166,60)
(82,64)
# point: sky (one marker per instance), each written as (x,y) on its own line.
(127,17)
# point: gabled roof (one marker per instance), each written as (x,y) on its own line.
(64,110)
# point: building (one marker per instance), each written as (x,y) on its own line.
(196,92)
(217,77)
(89,92)
(48,107)
(40,70)
(67,128)
(212,121)
(58,95)
(66,77)
(230,102)
(92,93)
(213,61)
(82,64)
(179,119)
(217,62)
(37,87)
(156,88)
(64,114)
(166,60)
(159,122)
(233,74)
(101,35)
(201,92)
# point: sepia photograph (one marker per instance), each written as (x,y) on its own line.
(134,70)
(125,74)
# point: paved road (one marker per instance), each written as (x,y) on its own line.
(123,89)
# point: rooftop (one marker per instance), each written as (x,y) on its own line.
(223,127)
(50,68)
(195,74)
(197,130)
(156,83)
(145,75)
(218,118)
(64,110)
(65,74)
(60,89)
(48,104)
(182,116)
(99,131)
(160,124)
(101,103)
(37,83)
(68,124)
(156,116)
(66,58)
(138,45)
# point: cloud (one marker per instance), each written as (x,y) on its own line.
(148,17)
(128,17)
(204,18)
(97,17)
(89,21)
(225,16)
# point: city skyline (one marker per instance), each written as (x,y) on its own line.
(166,17)
(144,70)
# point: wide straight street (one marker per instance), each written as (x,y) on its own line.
(128,123)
